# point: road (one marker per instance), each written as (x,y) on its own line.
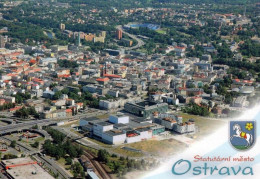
(51,164)
(139,41)
(25,125)
(26,149)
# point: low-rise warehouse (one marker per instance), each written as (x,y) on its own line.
(21,168)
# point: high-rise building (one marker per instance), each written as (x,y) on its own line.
(103,34)
(2,41)
(62,26)
(119,34)
(78,41)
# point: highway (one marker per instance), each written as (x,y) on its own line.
(139,41)
(25,125)
(51,164)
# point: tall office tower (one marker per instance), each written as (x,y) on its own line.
(119,34)
(78,40)
(62,26)
(2,41)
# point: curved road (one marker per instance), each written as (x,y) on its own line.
(139,41)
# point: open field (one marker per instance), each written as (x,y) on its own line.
(206,125)
(158,147)
(119,150)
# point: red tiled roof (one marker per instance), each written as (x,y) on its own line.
(68,110)
(102,79)
(112,76)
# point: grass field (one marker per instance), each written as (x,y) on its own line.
(124,152)
(159,147)
(206,125)
(39,139)
(100,143)
(161,31)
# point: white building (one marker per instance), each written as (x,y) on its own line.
(101,127)
(145,133)
(119,118)
(132,139)
(168,123)
(8,99)
(46,61)
(186,127)
(240,101)
(114,137)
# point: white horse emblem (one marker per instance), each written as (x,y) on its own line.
(243,135)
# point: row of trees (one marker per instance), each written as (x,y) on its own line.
(7,106)
(122,165)
(85,97)
(59,149)
(67,64)
(196,110)
(20,97)
(26,112)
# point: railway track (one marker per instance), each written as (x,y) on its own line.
(25,148)
(99,168)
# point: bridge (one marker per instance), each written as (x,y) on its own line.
(9,121)
(25,125)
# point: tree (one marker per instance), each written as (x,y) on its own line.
(35,127)
(57,95)
(35,144)
(68,161)
(191,85)
(9,156)
(103,155)
(77,170)
(13,144)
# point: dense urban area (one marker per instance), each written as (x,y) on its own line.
(112,88)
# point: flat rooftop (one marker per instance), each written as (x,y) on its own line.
(104,124)
(145,103)
(141,120)
(114,132)
(134,125)
(93,120)
(119,125)
(25,171)
(89,119)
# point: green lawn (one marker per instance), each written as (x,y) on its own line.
(161,31)
(39,139)
(206,125)
(158,147)
(119,150)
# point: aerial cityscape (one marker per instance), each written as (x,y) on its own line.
(111,88)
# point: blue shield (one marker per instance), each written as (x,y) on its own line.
(242,134)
